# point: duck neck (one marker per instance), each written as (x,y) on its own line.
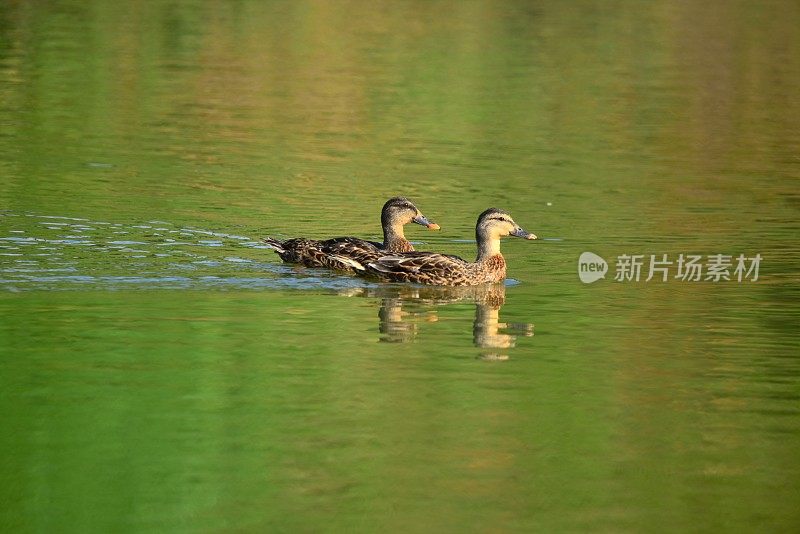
(488,245)
(393,235)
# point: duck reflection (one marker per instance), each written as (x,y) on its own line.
(404,309)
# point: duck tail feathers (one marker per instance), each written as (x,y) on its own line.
(274,243)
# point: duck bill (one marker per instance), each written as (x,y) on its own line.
(420,219)
(519,232)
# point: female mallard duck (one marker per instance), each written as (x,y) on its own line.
(345,253)
(445,270)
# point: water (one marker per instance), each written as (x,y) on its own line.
(162,371)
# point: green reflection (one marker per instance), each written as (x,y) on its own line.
(158,396)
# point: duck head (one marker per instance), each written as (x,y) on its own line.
(492,225)
(399,211)
(496,223)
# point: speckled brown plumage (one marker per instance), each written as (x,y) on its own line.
(438,269)
(441,269)
(348,253)
(315,253)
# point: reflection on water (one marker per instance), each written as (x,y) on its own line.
(45,252)
(50,252)
(162,372)
(405,310)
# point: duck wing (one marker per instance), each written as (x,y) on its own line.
(339,253)
(421,267)
(351,241)
(296,250)
(355,249)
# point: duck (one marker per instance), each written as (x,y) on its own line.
(431,268)
(349,254)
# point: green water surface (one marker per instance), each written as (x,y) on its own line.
(162,371)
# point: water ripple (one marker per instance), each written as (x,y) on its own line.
(144,259)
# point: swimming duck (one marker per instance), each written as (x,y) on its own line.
(446,270)
(348,253)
